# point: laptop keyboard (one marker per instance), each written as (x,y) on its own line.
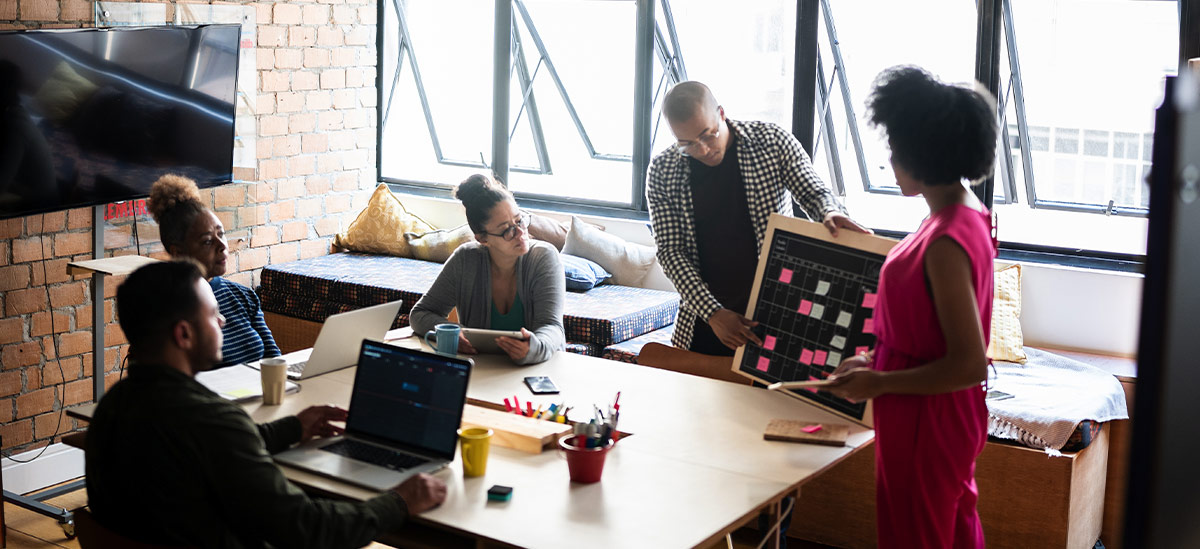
(295,370)
(378,455)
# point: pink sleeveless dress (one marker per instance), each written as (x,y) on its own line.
(925,446)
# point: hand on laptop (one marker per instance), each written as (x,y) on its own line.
(421,493)
(314,421)
(516,348)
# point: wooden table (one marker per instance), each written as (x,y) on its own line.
(694,468)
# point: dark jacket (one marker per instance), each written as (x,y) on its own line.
(170,462)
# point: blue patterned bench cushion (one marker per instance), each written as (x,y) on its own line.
(312,289)
(589,349)
(610,314)
(628,351)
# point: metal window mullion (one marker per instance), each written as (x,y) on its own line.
(987,71)
(667,58)
(501,80)
(642,78)
(1014,65)
(1006,167)
(826,118)
(804,85)
(839,71)
(669,19)
(407,46)
(406,39)
(562,90)
(529,102)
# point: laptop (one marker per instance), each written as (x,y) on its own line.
(405,410)
(337,343)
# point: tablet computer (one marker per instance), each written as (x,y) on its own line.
(484,341)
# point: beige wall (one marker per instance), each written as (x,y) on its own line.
(316,163)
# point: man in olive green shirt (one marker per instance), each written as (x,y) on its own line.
(170,462)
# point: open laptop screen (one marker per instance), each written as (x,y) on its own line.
(411,399)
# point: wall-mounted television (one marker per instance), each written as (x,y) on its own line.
(93,116)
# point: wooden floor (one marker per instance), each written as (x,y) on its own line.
(29,530)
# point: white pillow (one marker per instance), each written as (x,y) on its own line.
(628,262)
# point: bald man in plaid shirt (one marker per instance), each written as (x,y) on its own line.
(710,196)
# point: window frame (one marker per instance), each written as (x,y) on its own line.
(990,34)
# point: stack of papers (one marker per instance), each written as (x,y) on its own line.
(238,383)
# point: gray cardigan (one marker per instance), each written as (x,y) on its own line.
(466,282)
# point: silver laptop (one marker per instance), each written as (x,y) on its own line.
(337,343)
(405,410)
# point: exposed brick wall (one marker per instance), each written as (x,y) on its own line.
(315,167)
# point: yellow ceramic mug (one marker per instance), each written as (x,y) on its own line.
(474,443)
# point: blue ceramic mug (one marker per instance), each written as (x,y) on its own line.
(446,336)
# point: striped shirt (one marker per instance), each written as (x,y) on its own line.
(247,337)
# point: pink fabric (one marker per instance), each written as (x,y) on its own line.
(925,446)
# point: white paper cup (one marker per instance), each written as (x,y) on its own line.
(274,379)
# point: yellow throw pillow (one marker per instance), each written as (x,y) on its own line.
(438,245)
(1007,340)
(380,228)
(63,92)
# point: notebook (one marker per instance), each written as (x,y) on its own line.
(238,382)
(405,410)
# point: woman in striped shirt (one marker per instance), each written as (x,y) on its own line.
(189,229)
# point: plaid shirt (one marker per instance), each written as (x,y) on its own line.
(775,168)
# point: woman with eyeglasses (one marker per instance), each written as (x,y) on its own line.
(189,229)
(502,281)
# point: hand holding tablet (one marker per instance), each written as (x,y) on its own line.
(484,341)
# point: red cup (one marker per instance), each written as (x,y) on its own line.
(584,464)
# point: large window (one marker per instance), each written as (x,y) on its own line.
(858,40)
(435,79)
(749,71)
(1083,78)
(583,83)
(571,100)
(1080,80)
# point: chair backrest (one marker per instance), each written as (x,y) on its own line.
(665,357)
(93,535)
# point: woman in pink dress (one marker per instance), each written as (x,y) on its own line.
(933,316)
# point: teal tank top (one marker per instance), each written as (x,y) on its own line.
(514,320)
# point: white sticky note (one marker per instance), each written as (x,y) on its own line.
(817,311)
(844,319)
(834,359)
(822,287)
(839,342)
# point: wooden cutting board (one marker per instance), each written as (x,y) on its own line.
(788,430)
(515,431)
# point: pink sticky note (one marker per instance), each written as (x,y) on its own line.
(820,356)
(869,326)
(811,429)
(763,363)
(812,389)
(860,350)
(769,343)
(869,301)
(785,276)
(806,356)
(805,307)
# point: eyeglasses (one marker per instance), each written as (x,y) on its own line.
(709,140)
(510,232)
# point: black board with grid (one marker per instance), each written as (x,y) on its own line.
(814,299)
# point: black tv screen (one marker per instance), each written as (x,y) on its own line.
(93,116)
